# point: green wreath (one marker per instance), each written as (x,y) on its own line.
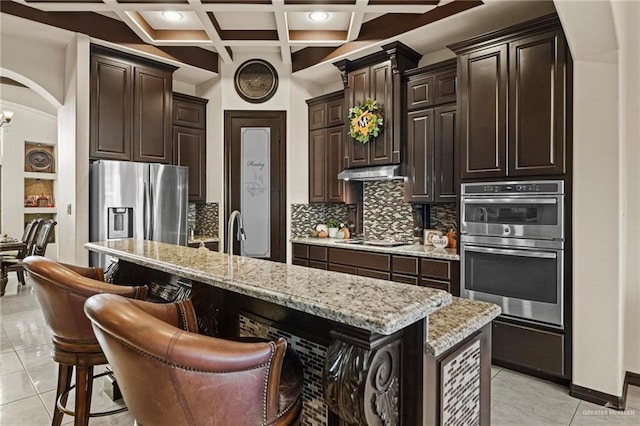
(364,122)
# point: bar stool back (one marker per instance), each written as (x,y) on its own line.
(62,291)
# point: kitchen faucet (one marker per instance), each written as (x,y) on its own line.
(241,236)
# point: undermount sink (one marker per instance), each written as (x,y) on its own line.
(349,241)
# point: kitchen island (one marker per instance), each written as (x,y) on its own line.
(365,342)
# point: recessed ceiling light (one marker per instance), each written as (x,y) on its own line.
(318,16)
(172,15)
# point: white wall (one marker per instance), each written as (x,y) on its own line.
(30,125)
(289,97)
(34,60)
(627,16)
(73,133)
(605,202)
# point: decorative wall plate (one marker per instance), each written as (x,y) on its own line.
(40,160)
(256,81)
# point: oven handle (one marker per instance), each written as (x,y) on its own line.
(522,253)
(510,201)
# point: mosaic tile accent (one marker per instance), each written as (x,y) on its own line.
(306,216)
(461,388)
(312,355)
(443,217)
(191,215)
(386,215)
(207,219)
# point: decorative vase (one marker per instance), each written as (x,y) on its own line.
(333,232)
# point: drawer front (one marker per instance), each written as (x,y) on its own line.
(374,274)
(440,269)
(440,285)
(405,279)
(301,251)
(318,253)
(300,262)
(404,265)
(317,265)
(537,349)
(445,87)
(343,268)
(378,261)
(335,113)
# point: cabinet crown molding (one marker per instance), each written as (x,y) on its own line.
(546,22)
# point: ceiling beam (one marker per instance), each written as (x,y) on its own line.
(357,18)
(283,30)
(377,31)
(225,53)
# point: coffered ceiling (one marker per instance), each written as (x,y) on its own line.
(286,26)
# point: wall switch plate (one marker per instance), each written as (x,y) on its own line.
(68,209)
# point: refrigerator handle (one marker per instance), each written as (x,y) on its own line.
(146,206)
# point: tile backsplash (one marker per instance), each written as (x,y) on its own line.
(306,216)
(204,218)
(386,216)
(443,216)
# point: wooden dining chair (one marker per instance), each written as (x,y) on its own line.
(28,238)
(38,248)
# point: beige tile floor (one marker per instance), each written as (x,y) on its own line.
(28,380)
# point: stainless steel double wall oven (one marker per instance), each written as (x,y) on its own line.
(512,240)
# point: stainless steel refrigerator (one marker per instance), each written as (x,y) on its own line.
(137,200)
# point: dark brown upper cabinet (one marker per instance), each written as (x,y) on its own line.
(378,76)
(190,141)
(130,107)
(431,134)
(326,148)
(513,101)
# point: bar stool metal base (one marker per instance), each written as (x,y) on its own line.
(61,405)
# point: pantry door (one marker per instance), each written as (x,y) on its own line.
(255,180)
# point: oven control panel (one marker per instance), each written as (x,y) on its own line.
(524,187)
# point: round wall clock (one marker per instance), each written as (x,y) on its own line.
(256,81)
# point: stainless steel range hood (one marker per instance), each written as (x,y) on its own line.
(393,171)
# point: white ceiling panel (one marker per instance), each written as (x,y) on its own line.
(246,21)
(338,21)
(189,21)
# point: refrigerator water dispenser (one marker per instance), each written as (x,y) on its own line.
(120,222)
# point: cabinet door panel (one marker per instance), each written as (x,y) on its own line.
(317,166)
(335,155)
(152,115)
(374,274)
(381,149)
(445,158)
(189,114)
(483,112)
(537,105)
(440,285)
(301,251)
(190,151)
(317,116)
(358,153)
(336,113)
(420,92)
(445,85)
(420,135)
(440,269)
(110,108)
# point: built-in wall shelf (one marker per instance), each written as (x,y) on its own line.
(40,210)
(37,175)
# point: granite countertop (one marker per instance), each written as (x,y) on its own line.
(203,238)
(455,322)
(376,305)
(418,250)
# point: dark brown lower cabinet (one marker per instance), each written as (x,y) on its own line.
(539,350)
(435,273)
(211,245)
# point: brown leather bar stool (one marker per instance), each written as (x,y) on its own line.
(169,375)
(62,290)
